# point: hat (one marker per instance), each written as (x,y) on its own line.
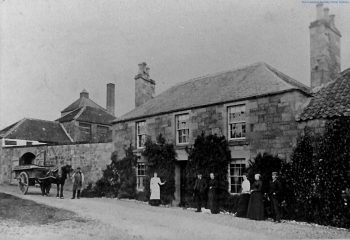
(274,173)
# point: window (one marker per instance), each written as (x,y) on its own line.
(140,134)
(182,129)
(10,142)
(85,129)
(235,178)
(236,122)
(140,175)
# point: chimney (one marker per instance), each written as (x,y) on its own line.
(110,105)
(319,8)
(84,94)
(324,48)
(144,85)
(326,13)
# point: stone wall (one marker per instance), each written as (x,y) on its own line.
(271,126)
(92,158)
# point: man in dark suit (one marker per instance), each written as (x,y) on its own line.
(275,190)
(200,188)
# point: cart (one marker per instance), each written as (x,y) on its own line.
(28,175)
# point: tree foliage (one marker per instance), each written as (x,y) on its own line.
(209,154)
(161,157)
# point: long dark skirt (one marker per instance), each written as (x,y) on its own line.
(154,202)
(212,201)
(256,206)
(243,203)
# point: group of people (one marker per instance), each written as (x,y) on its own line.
(251,204)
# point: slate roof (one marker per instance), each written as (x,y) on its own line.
(255,80)
(88,114)
(36,130)
(332,100)
(81,102)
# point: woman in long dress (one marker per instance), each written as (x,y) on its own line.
(256,204)
(212,194)
(155,190)
(244,198)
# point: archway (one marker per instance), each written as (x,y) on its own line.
(26,158)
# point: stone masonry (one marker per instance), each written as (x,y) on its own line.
(92,158)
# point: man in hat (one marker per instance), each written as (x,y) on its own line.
(199,189)
(275,190)
(78,182)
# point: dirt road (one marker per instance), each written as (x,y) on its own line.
(121,219)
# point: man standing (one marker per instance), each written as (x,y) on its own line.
(199,191)
(275,189)
(78,182)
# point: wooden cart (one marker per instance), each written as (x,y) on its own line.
(28,175)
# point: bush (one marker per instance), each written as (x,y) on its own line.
(208,154)
(118,179)
(161,157)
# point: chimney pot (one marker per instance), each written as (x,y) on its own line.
(319,8)
(326,13)
(331,18)
(84,94)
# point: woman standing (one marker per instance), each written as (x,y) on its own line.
(155,190)
(244,198)
(212,194)
(256,204)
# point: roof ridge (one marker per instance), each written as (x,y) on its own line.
(286,78)
(14,127)
(79,113)
(37,119)
(65,131)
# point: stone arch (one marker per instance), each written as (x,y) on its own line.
(27,158)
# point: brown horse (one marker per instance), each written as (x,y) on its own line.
(56,176)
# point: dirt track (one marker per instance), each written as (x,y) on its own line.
(119,219)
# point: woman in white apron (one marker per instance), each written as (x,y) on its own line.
(155,190)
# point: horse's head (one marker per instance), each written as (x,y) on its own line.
(66,170)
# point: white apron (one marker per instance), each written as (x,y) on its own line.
(155,188)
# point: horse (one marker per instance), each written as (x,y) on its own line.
(56,176)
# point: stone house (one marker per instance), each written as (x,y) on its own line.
(254,107)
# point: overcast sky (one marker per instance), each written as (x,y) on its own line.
(51,50)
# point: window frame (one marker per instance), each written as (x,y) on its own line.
(229,123)
(177,129)
(238,185)
(142,135)
(140,177)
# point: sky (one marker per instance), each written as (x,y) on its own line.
(51,50)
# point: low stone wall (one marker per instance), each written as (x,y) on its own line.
(92,158)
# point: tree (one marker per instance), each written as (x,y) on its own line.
(301,179)
(161,157)
(208,154)
(333,172)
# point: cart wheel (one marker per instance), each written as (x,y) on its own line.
(23,182)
